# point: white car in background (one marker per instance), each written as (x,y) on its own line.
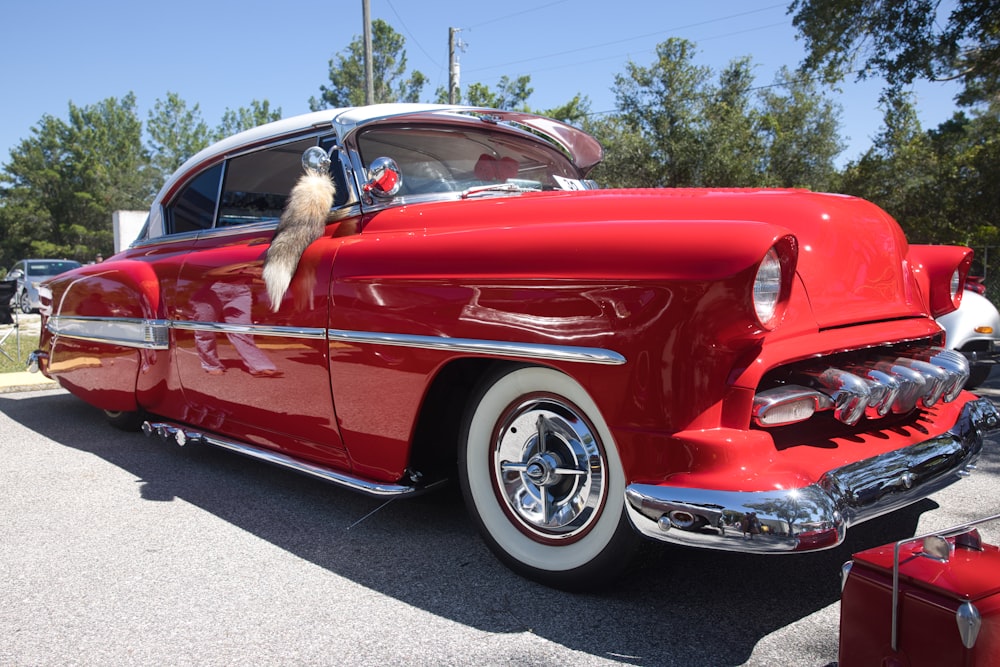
(974,330)
(29,272)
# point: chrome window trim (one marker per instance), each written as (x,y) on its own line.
(571,353)
(166,239)
(124,331)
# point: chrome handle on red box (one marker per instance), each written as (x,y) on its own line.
(936,546)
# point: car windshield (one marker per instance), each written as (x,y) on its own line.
(434,159)
(50,268)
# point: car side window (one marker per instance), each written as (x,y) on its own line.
(257,185)
(194,208)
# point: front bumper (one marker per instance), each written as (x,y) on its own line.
(816,516)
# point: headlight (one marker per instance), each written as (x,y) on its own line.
(767,289)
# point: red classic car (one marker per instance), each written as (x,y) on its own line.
(393,296)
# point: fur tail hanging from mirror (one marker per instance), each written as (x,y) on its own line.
(302,222)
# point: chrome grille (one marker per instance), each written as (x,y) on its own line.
(868,386)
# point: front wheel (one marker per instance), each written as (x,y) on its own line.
(24,303)
(543,481)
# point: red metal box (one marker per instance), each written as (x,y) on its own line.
(929,600)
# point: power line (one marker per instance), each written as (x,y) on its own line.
(578,63)
(510,16)
(433,60)
(639,37)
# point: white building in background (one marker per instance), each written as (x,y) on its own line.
(127,225)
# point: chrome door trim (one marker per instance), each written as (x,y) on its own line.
(571,353)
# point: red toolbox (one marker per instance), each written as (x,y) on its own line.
(929,600)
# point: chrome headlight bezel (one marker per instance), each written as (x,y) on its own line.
(772,283)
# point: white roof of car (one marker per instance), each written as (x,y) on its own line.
(345,120)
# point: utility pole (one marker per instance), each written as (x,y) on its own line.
(369,83)
(453,67)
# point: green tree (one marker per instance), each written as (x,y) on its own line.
(62,184)
(663,105)
(903,41)
(176,132)
(510,94)
(967,181)
(574,112)
(898,173)
(733,149)
(801,133)
(627,162)
(347,72)
(513,94)
(679,125)
(245,118)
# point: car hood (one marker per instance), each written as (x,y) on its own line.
(852,256)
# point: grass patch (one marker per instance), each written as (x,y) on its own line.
(29,342)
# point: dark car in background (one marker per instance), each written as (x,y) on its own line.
(29,272)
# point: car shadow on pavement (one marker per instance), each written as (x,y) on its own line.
(677,605)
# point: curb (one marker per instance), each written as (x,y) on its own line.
(25,381)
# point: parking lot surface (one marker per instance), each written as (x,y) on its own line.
(118,549)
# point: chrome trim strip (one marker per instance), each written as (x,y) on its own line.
(251,329)
(187,435)
(153,334)
(124,331)
(815,516)
(590,355)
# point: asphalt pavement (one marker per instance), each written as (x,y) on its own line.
(116,549)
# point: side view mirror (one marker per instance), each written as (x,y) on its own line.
(16,274)
(316,160)
(384,179)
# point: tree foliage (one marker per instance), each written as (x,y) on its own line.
(513,94)
(245,118)
(903,41)
(662,106)
(176,132)
(391,84)
(63,182)
(800,130)
(942,185)
(61,185)
(679,124)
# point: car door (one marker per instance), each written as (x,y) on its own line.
(245,371)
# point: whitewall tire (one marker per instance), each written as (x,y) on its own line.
(543,480)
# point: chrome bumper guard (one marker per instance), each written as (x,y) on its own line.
(816,516)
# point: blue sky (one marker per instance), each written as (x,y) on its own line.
(222,54)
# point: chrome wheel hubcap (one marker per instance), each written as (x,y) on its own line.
(549,469)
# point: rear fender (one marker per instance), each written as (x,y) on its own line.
(100,325)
